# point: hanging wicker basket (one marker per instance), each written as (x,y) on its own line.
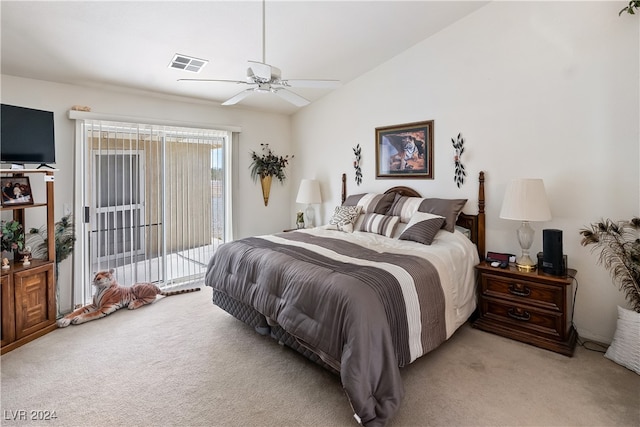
(265,181)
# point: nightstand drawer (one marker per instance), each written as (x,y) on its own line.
(544,296)
(523,318)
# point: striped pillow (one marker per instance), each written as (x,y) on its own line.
(422,228)
(371,202)
(405,207)
(379,224)
(343,218)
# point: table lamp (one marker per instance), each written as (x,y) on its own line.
(525,200)
(309,193)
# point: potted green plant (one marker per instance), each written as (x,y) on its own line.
(12,234)
(267,165)
(64,240)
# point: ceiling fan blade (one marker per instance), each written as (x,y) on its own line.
(293,98)
(238,97)
(260,70)
(213,80)
(321,84)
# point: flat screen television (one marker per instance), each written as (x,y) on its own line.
(26,136)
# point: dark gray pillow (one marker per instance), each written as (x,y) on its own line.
(448,208)
(422,228)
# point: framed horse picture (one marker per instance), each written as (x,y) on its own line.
(405,151)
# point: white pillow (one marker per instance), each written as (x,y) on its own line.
(625,347)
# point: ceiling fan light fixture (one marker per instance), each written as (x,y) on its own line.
(187,63)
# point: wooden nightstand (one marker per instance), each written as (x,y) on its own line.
(535,308)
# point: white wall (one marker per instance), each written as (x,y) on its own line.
(251,217)
(538,89)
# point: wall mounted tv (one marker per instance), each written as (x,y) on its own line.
(26,136)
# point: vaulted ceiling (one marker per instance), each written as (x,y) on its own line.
(129,44)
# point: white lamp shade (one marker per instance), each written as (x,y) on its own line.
(309,192)
(526,200)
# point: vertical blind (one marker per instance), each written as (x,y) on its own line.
(154,200)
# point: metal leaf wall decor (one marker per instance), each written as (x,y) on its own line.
(460,173)
(356,164)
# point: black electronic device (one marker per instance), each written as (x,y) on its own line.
(552,258)
(564,264)
(26,136)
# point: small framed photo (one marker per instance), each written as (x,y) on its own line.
(16,190)
(405,151)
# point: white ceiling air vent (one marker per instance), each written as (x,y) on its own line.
(184,62)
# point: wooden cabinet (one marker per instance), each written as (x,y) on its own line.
(532,307)
(28,303)
(28,297)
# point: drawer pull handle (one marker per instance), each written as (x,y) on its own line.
(519,290)
(518,314)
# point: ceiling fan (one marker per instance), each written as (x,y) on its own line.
(265,78)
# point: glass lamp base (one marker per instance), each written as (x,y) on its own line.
(309,214)
(525,237)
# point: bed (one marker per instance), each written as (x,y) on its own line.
(388,279)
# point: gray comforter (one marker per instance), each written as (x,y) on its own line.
(351,305)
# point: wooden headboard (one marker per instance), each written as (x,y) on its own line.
(475,223)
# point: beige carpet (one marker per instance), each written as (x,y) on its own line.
(184,362)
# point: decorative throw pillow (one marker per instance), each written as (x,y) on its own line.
(343,218)
(625,347)
(379,224)
(448,208)
(422,228)
(371,202)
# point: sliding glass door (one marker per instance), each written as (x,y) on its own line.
(154,201)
